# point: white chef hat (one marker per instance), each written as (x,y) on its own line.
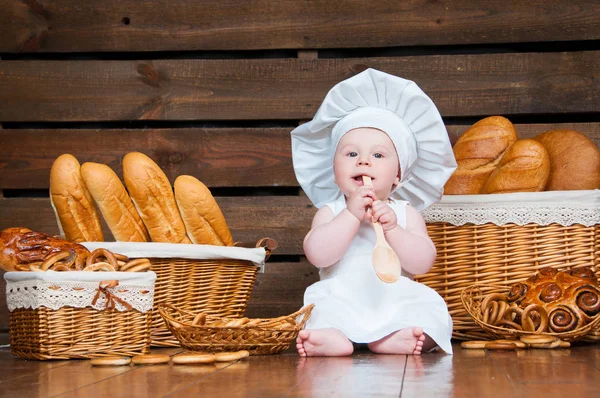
(389,103)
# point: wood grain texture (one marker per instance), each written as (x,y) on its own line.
(183,25)
(460,85)
(219,157)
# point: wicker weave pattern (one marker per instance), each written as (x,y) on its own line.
(503,255)
(264,336)
(215,287)
(78,333)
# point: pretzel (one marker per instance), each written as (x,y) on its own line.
(187,359)
(231,356)
(121,257)
(140,267)
(494,345)
(518,343)
(110,258)
(111,361)
(474,344)
(537,338)
(554,344)
(150,359)
(59,267)
(102,266)
(50,260)
(527,323)
(80,261)
(136,265)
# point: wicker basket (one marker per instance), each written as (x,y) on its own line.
(259,337)
(485,252)
(473,296)
(43,327)
(216,286)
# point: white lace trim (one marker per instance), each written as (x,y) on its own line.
(542,208)
(54,295)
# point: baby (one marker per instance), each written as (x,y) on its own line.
(386,128)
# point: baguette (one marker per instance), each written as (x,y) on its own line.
(73,205)
(525,167)
(201,214)
(152,195)
(114,203)
(478,151)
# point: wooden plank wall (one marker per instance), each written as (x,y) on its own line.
(213,88)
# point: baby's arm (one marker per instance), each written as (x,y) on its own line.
(329,236)
(413,246)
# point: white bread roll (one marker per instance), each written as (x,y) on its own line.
(73,204)
(201,214)
(478,152)
(152,195)
(114,203)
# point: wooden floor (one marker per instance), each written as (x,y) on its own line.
(573,372)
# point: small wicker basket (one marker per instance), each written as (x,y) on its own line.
(216,286)
(258,337)
(472,298)
(472,250)
(54,315)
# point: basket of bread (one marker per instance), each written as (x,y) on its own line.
(66,301)
(179,228)
(512,207)
(197,331)
(559,304)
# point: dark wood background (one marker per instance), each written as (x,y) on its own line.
(213,88)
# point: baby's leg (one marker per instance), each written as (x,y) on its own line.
(405,341)
(323,343)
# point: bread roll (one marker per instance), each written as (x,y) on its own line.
(114,203)
(574,160)
(201,214)
(478,151)
(153,197)
(525,167)
(21,246)
(73,204)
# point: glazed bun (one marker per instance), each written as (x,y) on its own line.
(478,151)
(152,195)
(114,203)
(574,160)
(73,204)
(525,167)
(201,214)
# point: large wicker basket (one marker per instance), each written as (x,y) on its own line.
(218,281)
(487,239)
(64,315)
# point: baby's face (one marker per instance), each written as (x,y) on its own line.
(370,152)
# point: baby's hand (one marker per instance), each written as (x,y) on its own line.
(359,201)
(383,213)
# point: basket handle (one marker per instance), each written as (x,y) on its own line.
(269,244)
(306,310)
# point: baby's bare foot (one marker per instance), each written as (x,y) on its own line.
(323,343)
(406,341)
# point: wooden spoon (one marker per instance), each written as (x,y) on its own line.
(385,261)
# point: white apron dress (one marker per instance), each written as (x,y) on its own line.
(351,298)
